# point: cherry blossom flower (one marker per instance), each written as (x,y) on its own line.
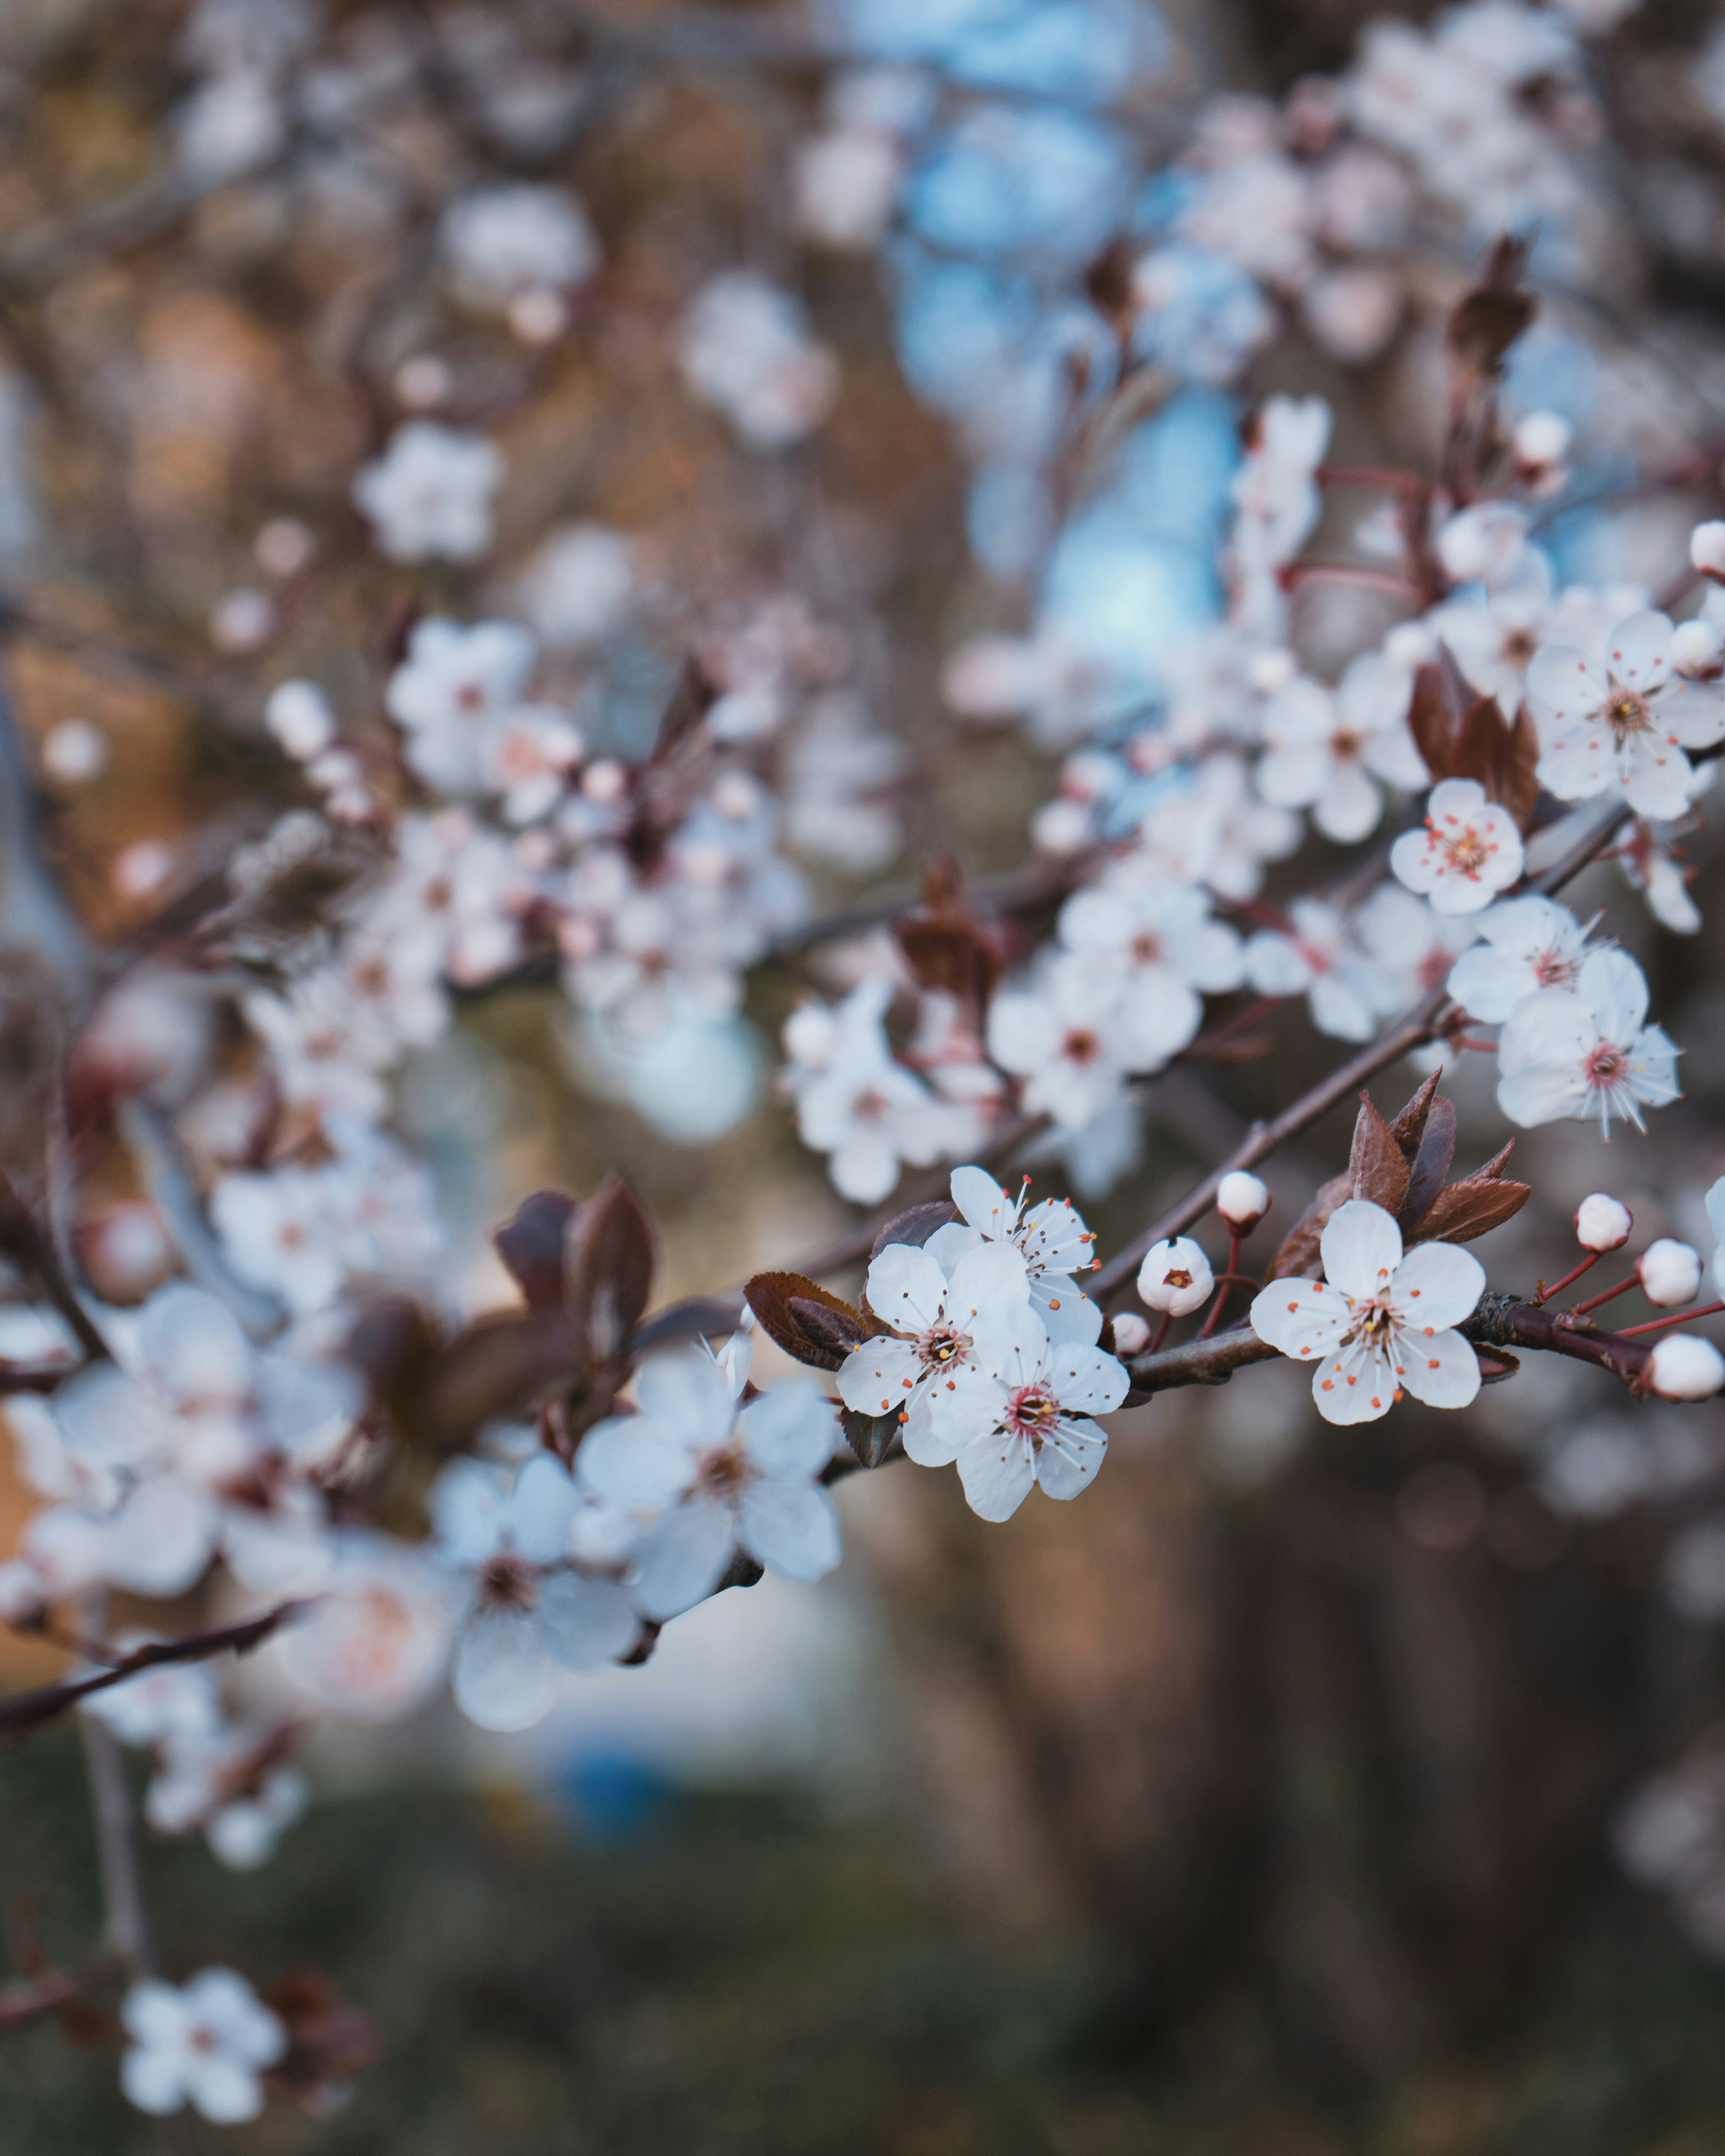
(1648,860)
(1155,942)
(530,1615)
(930,1320)
(715,1480)
(447,694)
(1020,1412)
(1411,949)
(1319,958)
(746,351)
(1624,721)
(1175,1277)
(206,2044)
(502,242)
(229,1786)
(429,495)
(1529,945)
(1468,850)
(378,1636)
(1379,1323)
(1587,1051)
(1049,1237)
(1061,1035)
(1328,748)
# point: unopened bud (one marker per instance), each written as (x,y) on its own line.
(1242,1200)
(1175,1276)
(1669,1272)
(1060,827)
(1698,650)
(125,1251)
(1603,1223)
(299,716)
(1685,1367)
(1132,1335)
(1707,550)
(1542,439)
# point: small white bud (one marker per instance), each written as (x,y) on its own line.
(1669,1272)
(299,718)
(1685,1367)
(1603,1223)
(1543,438)
(1707,550)
(74,752)
(1175,1276)
(284,546)
(1060,827)
(1132,1335)
(1242,1200)
(1698,650)
(241,620)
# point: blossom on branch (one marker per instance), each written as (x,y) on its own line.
(1468,850)
(205,2043)
(1587,1051)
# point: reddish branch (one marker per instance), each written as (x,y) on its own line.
(29,1710)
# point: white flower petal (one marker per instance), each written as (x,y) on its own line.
(1361,1247)
(682,1558)
(998,1474)
(1069,1457)
(1438,1285)
(1443,1370)
(793,1530)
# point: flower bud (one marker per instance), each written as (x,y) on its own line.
(1132,1335)
(1242,1200)
(1707,550)
(1685,1367)
(299,716)
(1543,438)
(1698,651)
(1669,1272)
(1175,1276)
(1603,1223)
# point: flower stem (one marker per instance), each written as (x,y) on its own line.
(1544,1294)
(1223,1285)
(1673,1318)
(1605,1295)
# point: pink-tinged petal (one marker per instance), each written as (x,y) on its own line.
(1303,1318)
(1615,990)
(793,1530)
(1361,1247)
(906,1288)
(1357,1384)
(998,1473)
(880,1377)
(1640,651)
(1437,1285)
(1070,1456)
(1443,1370)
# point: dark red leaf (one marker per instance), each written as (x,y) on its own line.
(1468,1209)
(607,1270)
(1375,1166)
(871,1438)
(915,1224)
(1431,1163)
(1409,1125)
(807,1322)
(497,1367)
(531,1246)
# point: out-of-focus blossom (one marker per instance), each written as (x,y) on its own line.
(428,497)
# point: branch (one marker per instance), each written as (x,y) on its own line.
(29,1710)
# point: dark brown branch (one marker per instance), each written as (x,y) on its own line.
(29,1710)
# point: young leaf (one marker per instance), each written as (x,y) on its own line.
(1432,1163)
(915,1224)
(1409,1125)
(607,1270)
(531,1246)
(1470,1209)
(1375,1166)
(808,1323)
(871,1438)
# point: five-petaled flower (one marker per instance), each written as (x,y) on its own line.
(1378,1323)
(205,2043)
(1587,1051)
(1020,1413)
(1624,721)
(1468,851)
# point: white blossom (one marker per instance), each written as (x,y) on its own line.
(206,2044)
(1380,1322)
(1528,945)
(1329,750)
(746,351)
(1468,850)
(714,1479)
(1242,1200)
(1021,1410)
(1587,1051)
(1346,990)
(429,494)
(1623,721)
(1051,1238)
(1175,1276)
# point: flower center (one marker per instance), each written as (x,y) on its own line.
(723,1472)
(869,1107)
(1552,970)
(507,1582)
(471,697)
(1468,852)
(1082,1045)
(1373,1321)
(1347,746)
(1146,948)
(1518,647)
(940,1345)
(1628,714)
(1605,1066)
(1032,1413)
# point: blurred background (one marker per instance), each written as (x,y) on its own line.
(1283,1799)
